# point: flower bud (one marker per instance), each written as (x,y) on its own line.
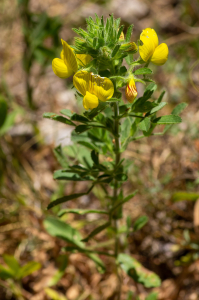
(131,91)
(121,38)
(129,47)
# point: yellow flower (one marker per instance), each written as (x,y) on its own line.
(93,87)
(131,91)
(158,54)
(121,38)
(67,65)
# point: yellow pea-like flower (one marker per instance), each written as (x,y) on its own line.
(131,91)
(68,62)
(158,54)
(93,87)
(90,101)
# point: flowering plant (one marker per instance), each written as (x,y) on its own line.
(109,124)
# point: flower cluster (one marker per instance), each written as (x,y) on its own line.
(94,87)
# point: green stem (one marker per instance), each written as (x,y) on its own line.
(115,191)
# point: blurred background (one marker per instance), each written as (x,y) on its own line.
(165,169)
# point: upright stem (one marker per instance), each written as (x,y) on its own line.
(115,191)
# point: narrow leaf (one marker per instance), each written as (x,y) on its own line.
(140,222)
(58,118)
(81,211)
(157,108)
(67,198)
(96,231)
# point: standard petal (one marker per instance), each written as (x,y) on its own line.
(83,59)
(131,91)
(160,54)
(69,57)
(81,81)
(149,39)
(90,101)
(102,87)
(60,69)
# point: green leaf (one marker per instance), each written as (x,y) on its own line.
(96,231)
(157,108)
(140,222)
(6,273)
(129,32)
(88,145)
(67,112)
(117,205)
(170,119)
(99,263)
(152,296)
(70,175)
(67,198)
(79,118)
(10,120)
(95,157)
(79,211)
(144,125)
(58,118)
(142,106)
(184,196)
(152,87)
(60,229)
(120,31)
(135,270)
(3,111)
(82,128)
(28,269)
(143,71)
(179,108)
(176,111)
(12,263)
(121,177)
(160,97)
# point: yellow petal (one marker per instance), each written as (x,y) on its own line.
(160,54)
(149,39)
(102,87)
(83,59)
(131,91)
(60,69)
(69,57)
(81,81)
(90,101)
(62,54)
